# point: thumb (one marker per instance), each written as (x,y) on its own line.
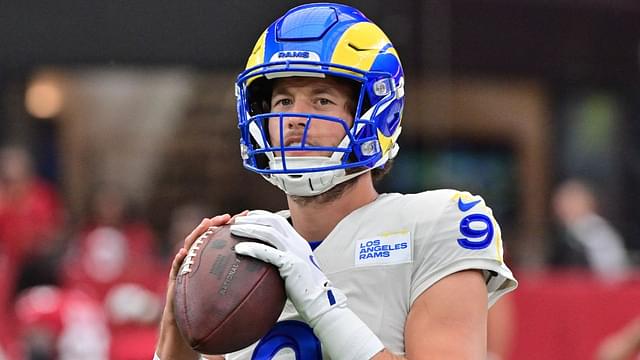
(262,252)
(259,212)
(257,232)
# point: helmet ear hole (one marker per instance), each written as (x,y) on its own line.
(366,105)
(262,162)
(259,96)
(261,124)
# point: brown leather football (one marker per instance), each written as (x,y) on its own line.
(224,301)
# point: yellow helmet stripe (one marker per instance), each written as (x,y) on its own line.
(359,46)
(257,54)
(386,142)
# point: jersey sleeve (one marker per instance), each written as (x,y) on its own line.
(463,235)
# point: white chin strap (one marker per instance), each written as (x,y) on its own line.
(311,183)
(315,183)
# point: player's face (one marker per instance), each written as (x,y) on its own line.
(319,96)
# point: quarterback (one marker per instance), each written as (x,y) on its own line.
(367,275)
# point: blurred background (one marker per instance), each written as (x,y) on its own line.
(118,134)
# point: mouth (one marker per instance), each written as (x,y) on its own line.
(292,140)
(297,152)
(293,147)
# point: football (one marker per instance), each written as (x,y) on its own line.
(224,301)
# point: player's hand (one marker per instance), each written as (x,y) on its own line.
(321,305)
(170,342)
(204,225)
(307,286)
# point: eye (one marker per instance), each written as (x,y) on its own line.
(281,102)
(325,101)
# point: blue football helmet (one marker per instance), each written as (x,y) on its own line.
(321,40)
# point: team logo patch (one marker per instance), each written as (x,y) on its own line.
(386,249)
(293,54)
(300,55)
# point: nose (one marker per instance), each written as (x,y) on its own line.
(292,122)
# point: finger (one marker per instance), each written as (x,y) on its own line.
(252,219)
(262,220)
(177,261)
(220,220)
(204,225)
(259,212)
(261,217)
(175,265)
(252,231)
(195,233)
(262,252)
(258,232)
(233,219)
(266,213)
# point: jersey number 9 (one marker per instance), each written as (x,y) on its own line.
(478,232)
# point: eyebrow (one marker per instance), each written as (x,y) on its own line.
(324,89)
(317,89)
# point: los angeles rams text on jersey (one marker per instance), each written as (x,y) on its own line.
(384,249)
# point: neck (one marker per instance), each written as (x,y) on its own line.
(314,218)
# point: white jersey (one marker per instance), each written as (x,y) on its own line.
(384,255)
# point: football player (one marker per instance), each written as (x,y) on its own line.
(367,275)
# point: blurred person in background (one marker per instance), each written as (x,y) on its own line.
(61,324)
(114,258)
(112,246)
(589,239)
(31,215)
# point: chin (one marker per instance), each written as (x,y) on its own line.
(327,196)
(307,153)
